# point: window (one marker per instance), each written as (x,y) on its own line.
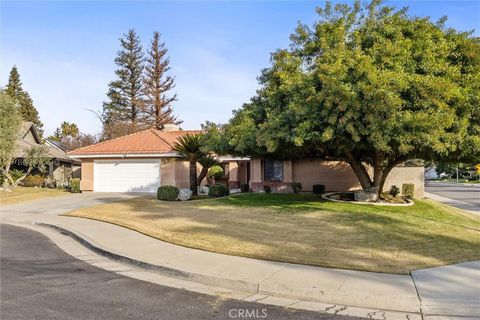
(273,170)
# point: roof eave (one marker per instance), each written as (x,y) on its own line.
(126,155)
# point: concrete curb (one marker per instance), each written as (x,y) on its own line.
(166,271)
(408,204)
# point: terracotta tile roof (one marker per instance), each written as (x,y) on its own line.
(143,142)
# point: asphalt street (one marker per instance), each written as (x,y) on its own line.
(464,193)
(40,281)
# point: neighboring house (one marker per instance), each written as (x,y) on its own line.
(143,161)
(431,173)
(139,162)
(335,175)
(61,168)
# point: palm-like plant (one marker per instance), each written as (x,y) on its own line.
(189,146)
(207,161)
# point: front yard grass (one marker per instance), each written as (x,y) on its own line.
(305,229)
(22,194)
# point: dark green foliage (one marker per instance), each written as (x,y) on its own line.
(24,101)
(318,189)
(167,193)
(216,172)
(296,186)
(218,190)
(244,188)
(33,181)
(189,146)
(394,191)
(125,94)
(267,189)
(408,190)
(75,185)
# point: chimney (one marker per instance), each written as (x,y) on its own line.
(168,127)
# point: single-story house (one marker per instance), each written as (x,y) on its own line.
(138,162)
(142,161)
(61,168)
(335,175)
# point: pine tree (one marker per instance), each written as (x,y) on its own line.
(158,110)
(125,95)
(25,103)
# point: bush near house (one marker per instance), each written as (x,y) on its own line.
(216,172)
(167,193)
(408,190)
(33,181)
(296,186)
(394,191)
(75,185)
(218,190)
(318,189)
(244,188)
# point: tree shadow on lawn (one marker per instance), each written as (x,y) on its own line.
(396,243)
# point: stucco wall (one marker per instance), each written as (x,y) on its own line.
(182,174)
(167,172)
(86,182)
(335,175)
(401,175)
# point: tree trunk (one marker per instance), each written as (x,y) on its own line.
(202,175)
(193,177)
(359,170)
(8,181)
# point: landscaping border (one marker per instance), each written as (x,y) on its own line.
(408,204)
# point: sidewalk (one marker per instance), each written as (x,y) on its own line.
(264,278)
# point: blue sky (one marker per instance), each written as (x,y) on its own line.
(64,50)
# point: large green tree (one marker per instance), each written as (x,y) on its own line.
(369,85)
(157,83)
(25,105)
(125,95)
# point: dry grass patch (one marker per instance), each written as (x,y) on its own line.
(304,229)
(23,194)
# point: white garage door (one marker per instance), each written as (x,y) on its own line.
(126,175)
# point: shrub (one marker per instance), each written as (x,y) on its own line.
(218,190)
(244,187)
(296,186)
(408,190)
(75,185)
(216,172)
(33,181)
(16,174)
(394,190)
(318,188)
(267,189)
(167,193)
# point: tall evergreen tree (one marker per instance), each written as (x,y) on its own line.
(25,103)
(125,94)
(157,83)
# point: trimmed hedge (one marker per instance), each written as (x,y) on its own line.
(408,189)
(167,193)
(244,188)
(318,189)
(267,189)
(75,185)
(216,172)
(33,181)
(218,190)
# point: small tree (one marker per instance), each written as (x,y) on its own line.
(206,162)
(189,146)
(34,158)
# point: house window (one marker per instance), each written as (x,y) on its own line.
(273,170)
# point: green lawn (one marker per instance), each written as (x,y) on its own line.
(306,229)
(23,194)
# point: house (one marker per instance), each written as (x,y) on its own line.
(139,162)
(61,168)
(335,175)
(143,161)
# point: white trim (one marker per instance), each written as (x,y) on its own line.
(127,155)
(230,158)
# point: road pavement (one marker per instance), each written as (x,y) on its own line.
(465,196)
(40,281)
